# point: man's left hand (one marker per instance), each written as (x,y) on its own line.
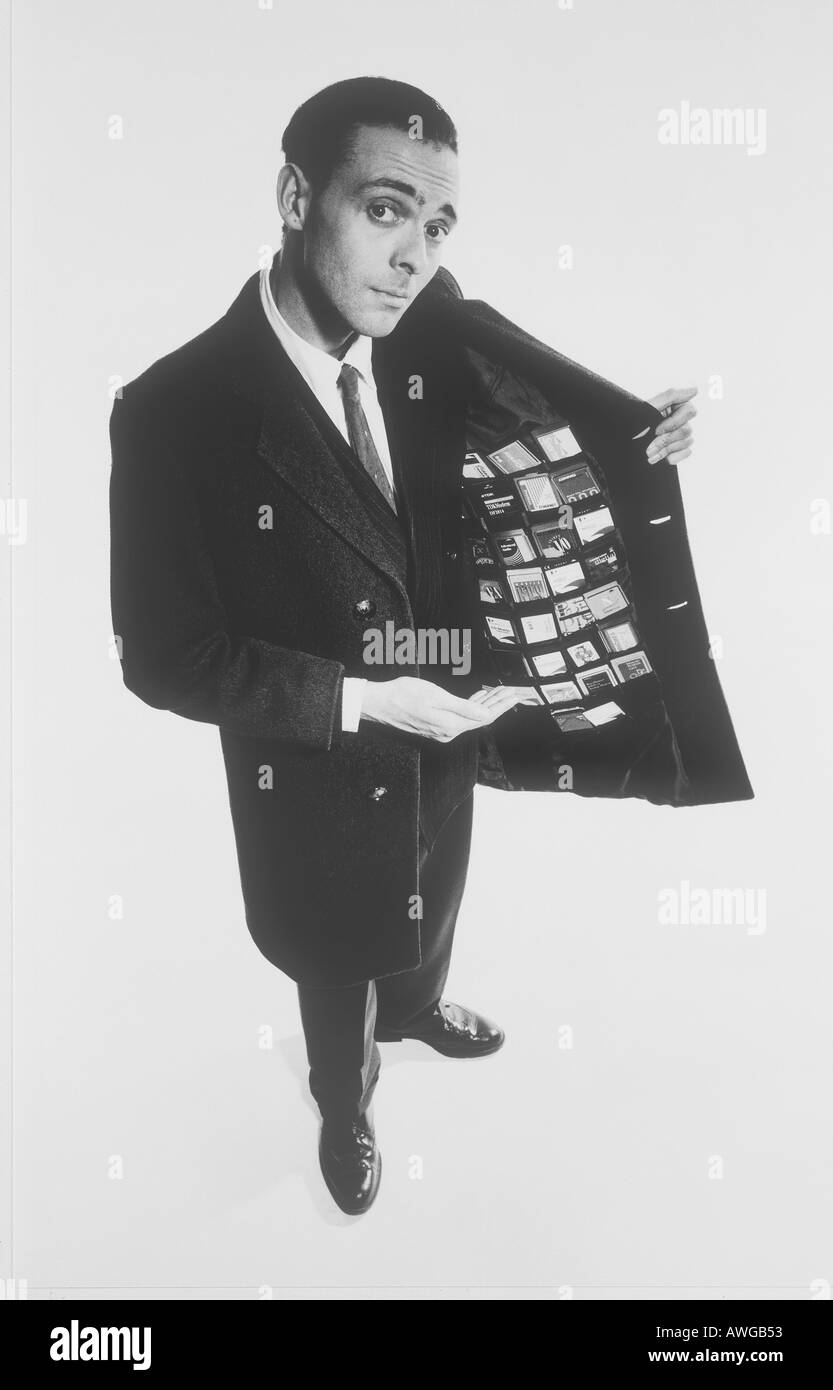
(673,434)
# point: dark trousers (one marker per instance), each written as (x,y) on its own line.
(339,1024)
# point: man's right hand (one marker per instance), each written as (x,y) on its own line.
(421,707)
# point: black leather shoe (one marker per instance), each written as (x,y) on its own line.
(451,1030)
(351,1163)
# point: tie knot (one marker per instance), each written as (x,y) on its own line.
(348,380)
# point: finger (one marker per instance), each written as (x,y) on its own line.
(501,694)
(679,456)
(489,693)
(675,395)
(496,711)
(480,695)
(673,425)
(665,450)
(440,721)
(675,420)
(444,703)
(499,707)
(668,441)
(501,698)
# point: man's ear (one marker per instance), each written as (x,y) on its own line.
(293,196)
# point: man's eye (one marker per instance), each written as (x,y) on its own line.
(377,211)
(438,227)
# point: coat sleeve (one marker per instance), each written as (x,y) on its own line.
(172,635)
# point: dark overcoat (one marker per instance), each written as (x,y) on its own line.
(250,555)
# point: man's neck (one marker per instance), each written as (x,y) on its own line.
(304,310)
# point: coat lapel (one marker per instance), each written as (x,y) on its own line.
(292,437)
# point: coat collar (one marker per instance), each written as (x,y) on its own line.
(578,394)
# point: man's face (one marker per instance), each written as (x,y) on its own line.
(374,237)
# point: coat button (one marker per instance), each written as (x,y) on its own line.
(451,554)
(365,608)
(377,793)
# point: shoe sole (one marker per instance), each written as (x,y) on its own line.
(485,1051)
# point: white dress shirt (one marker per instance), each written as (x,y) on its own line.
(320,371)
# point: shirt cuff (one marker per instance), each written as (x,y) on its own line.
(352,695)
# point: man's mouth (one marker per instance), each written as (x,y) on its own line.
(400,296)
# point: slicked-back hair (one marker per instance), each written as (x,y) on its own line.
(321,133)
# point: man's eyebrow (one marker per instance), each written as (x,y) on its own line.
(409,190)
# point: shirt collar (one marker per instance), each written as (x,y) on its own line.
(317,366)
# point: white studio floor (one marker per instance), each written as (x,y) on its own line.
(651,1128)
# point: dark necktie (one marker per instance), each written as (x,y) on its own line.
(359,431)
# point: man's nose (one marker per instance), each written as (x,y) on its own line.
(412,254)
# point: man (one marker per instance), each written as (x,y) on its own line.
(286,488)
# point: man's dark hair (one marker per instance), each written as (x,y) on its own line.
(321,133)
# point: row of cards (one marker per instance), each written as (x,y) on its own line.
(571,614)
(533,584)
(591,681)
(538,492)
(555,442)
(559,695)
(540,627)
(555,545)
(551,540)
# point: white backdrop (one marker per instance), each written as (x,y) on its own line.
(654,1125)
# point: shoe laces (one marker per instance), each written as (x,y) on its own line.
(460,1024)
(363,1135)
(359,1131)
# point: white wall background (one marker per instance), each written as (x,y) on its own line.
(681,1146)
